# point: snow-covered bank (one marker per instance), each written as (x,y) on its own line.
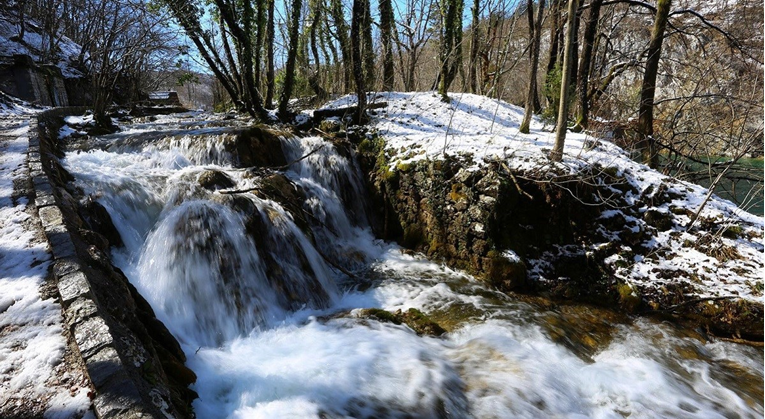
(35,378)
(641,234)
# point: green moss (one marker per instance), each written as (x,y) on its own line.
(733,232)
(757,287)
(415,319)
(628,297)
(404,167)
(381,315)
(421,323)
(611,171)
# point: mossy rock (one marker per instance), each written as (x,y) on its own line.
(732,232)
(503,273)
(330,125)
(629,297)
(661,220)
(415,319)
(214,180)
(258,147)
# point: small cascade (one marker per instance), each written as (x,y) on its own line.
(204,274)
(215,266)
(335,182)
(335,188)
(295,268)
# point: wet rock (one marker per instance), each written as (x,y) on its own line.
(279,188)
(96,239)
(259,147)
(504,273)
(99,220)
(415,319)
(214,180)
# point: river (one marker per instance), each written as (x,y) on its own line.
(274,330)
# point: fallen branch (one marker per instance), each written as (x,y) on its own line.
(515,181)
(742,341)
(675,307)
(298,160)
(320,114)
(338,267)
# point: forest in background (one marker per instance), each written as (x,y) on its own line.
(679,81)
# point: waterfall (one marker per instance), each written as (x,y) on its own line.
(246,277)
(205,275)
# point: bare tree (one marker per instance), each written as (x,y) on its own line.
(560,128)
(646,142)
(536,29)
(358,75)
(289,70)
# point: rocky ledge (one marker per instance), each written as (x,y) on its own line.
(459,183)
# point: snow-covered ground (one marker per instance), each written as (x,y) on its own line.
(419,125)
(37,377)
(34,44)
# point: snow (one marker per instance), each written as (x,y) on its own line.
(34,44)
(32,344)
(419,125)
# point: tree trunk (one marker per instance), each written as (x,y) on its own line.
(270,40)
(358,75)
(342,38)
(474,39)
(582,87)
(260,24)
(289,68)
(536,35)
(451,44)
(555,29)
(646,142)
(386,38)
(314,77)
(560,128)
(368,52)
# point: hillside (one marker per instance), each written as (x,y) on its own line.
(63,53)
(626,226)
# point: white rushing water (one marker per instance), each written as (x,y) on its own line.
(272,329)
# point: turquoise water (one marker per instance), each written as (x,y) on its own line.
(746,193)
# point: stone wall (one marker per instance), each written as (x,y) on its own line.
(543,236)
(135,365)
(22,78)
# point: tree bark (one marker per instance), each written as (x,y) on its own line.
(451,44)
(555,30)
(357,15)
(646,142)
(386,38)
(289,68)
(270,72)
(474,40)
(560,128)
(536,35)
(368,52)
(342,38)
(582,87)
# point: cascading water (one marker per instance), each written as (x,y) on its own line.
(273,331)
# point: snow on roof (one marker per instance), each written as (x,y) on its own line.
(160,95)
(420,126)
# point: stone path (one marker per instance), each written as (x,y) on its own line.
(40,375)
